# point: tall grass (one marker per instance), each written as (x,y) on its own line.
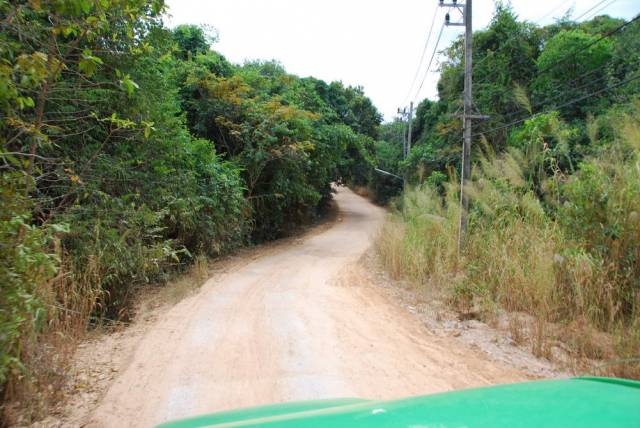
(564,249)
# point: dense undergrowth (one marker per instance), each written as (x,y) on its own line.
(562,248)
(127,151)
(554,223)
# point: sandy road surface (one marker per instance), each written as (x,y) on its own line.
(298,323)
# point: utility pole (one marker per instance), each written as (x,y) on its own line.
(403,113)
(409,130)
(468,106)
(406,135)
(465,174)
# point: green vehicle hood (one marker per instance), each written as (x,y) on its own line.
(580,402)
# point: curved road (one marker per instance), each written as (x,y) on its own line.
(300,322)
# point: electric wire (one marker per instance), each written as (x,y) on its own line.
(604,36)
(513,36)
(594,14)
(481,60)
(557,107)
(581,77)
(552,66)
(552,11)
(590,9)
(595,42)
(424,51)
(433,54)
(573,54)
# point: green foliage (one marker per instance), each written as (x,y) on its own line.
(553,221)
(600,211)
(289,137)
(506,62)
(388,157)
(573,64)
(192,40)
(27,262)
(520,70)
(155,151)
(437,180)
(547,145)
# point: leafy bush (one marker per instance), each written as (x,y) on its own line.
(28,263)
(600,212)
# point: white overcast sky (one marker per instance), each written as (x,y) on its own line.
(373,43)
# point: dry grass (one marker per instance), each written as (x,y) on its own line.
(47,359)
(390,242)
(179,287)
(518,258)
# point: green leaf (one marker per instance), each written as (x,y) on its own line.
(128,85)
(24,102)
(89,63)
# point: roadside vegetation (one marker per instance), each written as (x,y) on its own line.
(128,151)
(554,225)
(131,152)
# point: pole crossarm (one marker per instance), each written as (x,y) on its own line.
(460,7)
(474,116)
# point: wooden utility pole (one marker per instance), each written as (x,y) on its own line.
(409,130)
(402,113)
(406,136)
(468,116)
(468,107)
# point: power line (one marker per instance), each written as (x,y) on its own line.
(578,78)
(572,54)
(590,9)
(601,9)
(537,21)
(426,73)
(565,58)
(595,42)
(576,100)
(607,35)
(424,51)
(504,44)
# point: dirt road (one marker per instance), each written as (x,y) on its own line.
(295,324)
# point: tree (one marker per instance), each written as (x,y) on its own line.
(192,40)
(572,64)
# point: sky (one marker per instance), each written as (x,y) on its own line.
(376,44)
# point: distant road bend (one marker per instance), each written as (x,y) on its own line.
(296,323)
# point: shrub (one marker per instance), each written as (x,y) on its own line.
(28,263)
